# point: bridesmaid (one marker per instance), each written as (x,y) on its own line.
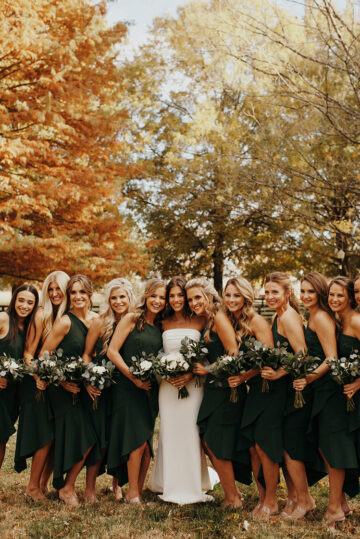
(239,302)
(134,413)
(327,414)
(341,434)
(118,300)
(219,419)
(35,435)
(357,289)
(74,432)
(15,325)
(288,332)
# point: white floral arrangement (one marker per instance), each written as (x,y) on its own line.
(47,368)
(345,371)
(142,368)
(99,375)
(11,369)
(171,365)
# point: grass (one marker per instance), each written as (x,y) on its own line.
(107,518)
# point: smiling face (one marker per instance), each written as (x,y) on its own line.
(357,291)
(197,300)
(24,303)
(176,299)
(55,294)
(275,295)
(155,302)
(119,301)
(338,299)
(233,299)
(308,295)
(79,298)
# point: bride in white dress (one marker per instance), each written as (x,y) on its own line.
(180,471)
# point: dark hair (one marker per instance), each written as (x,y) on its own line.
(283,280)
(85,282)
(348,285)
(13,316)
(321,287)
(181,283)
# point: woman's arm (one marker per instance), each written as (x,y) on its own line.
(96,329)
(122,331)
(34,336)
(351,389)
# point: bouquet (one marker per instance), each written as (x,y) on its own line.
(143,369)
(172,364)
(258,356)
(298,366)
(73,369)
(47,368)
(226,366)
(11,369)
(194,352)
(345,371)
(99,376)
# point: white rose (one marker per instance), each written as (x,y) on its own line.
(145,365)
(98,369)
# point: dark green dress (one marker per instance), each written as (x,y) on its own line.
(262,420)
(219,419)
(74,430)
(134,411)
(8,397)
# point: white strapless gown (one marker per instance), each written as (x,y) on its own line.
(180,472)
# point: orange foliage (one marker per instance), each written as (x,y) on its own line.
(61,134)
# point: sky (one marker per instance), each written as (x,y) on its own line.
(142,12)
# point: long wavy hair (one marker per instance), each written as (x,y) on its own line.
(213,302)
(140,309)
(181,283)
(321,287)
(62,279)
(106,313)
(242,324)
(283,280)
(86,284)
(348,285)
(13,316)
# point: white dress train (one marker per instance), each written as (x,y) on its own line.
(180,472)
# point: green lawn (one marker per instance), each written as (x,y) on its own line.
(20,517)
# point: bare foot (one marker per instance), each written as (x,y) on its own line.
(265,512)
(118,492)
(35,494)
(256,508)
(288,509)
(331,519)
(68,497)
(345,506)
(90,497)
(234,503)
(135,500)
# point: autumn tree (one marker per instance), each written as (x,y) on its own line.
(61,142)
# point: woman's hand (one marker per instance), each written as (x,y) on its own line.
(3,383)
(300,385)
(146,386)
(40,384)
(180,381)
(235,381)
(93,392)
(351,389)
(199,369)
(70,386)
(269,374)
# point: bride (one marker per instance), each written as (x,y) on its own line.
(180,472)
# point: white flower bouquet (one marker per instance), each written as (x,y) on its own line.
(99,376)
(73,369)
(47,368)
(225,366)
(194,352)
(170,365)
(11,369)
(142,368)
(345,371)
(258,356)
(298,366)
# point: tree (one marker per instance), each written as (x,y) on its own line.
(61,143)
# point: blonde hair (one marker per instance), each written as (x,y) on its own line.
(283,280)
(140,310)
(214,302)
(106,313)
(85,282)
(62,279)
(242,324)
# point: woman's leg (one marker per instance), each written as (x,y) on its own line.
(334,511)
(133,467)
(2,451)
(271,476)
(37,466)
(255,466)
(47,471)
(144,466)
(67,494)
(298,488)
(91,475)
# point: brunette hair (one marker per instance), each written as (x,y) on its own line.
(348,285)
(106,313)
(283,280)
(214,302)
(85,282)
(140,310)
(13,316)
(242,324)
(181,283)
(62,279)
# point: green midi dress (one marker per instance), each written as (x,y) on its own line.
(74,430)
(133,410)
(262,421)
(219,419)
(9,409)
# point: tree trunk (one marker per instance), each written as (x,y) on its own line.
(218,264)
